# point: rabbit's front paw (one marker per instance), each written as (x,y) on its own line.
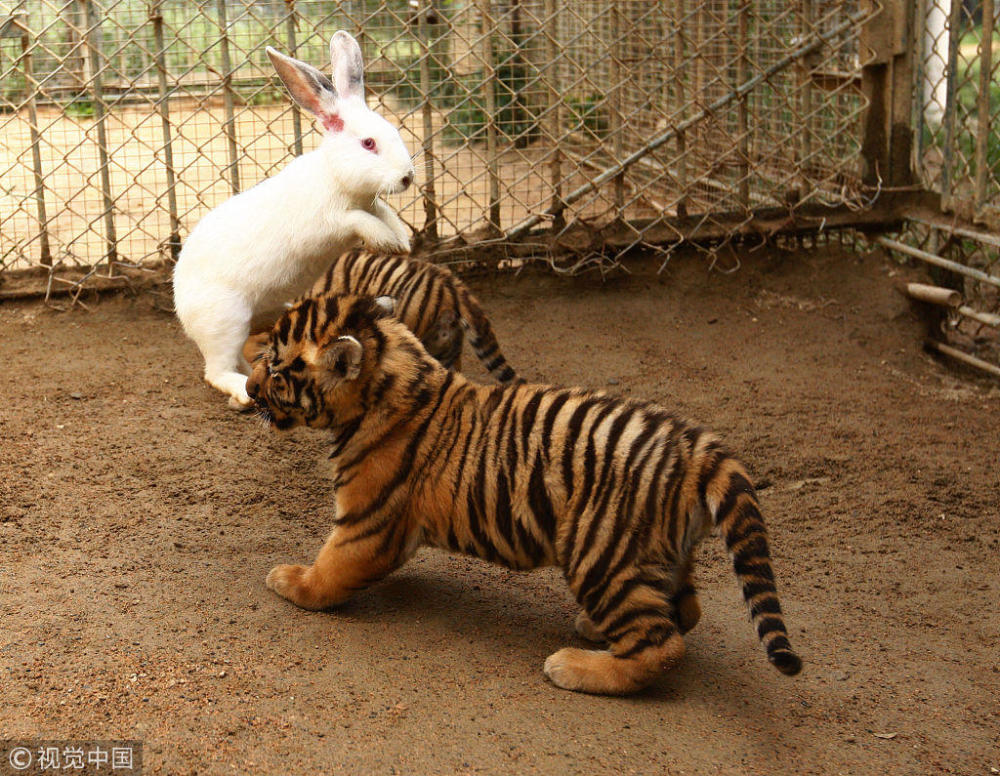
(380,236)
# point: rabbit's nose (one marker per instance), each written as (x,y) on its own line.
(406,181)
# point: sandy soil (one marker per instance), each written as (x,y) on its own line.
(139,516)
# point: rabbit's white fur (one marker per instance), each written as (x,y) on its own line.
(253,253)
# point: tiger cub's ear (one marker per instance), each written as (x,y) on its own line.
(384,306)
(343,357)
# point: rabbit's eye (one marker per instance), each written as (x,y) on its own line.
(368,144)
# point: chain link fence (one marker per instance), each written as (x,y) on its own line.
(957,136)
(590,127)
(959,87)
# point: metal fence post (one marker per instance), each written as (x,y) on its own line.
(229,125)
(489,96)
(290,23)
(742,107)
(983,107)
(682,173)
(555,99)
(36,155)
(93,39)
(430,229)
(163,106)
(617,106)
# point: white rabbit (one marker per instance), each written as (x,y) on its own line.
(267,245)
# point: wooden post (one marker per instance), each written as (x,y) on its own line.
(887,84)
(680,74)
(554,123)
(743,113)
(489,96)
(229,125)
(951,100)
(36,155)
(163,108)
(904,52)
(617,105)
(92,34)
(874,86)
(430,229)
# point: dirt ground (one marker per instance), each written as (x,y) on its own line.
(139,516)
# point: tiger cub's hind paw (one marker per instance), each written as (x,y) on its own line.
(602,673)
(688,611)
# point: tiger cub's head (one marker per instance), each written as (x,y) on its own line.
(319,359)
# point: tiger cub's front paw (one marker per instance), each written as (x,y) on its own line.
(286,581)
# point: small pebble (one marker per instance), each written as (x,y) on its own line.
(76,395)
(612,381)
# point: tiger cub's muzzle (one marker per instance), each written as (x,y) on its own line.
(257,389)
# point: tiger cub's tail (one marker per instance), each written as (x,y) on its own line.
(732,502)
(482,338)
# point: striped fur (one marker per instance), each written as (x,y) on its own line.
(617,493)
(430,300)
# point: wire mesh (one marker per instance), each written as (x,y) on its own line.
(123,121)
(958,157)
(959,136)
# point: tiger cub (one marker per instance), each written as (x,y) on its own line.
(435,304)
(617,493)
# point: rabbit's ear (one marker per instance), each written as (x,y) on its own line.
(348,67)
(309,88)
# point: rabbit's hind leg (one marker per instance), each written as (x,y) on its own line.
(226,368)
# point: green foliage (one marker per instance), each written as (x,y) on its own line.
(468,120)
(262,96)
(81,108)
(589,114)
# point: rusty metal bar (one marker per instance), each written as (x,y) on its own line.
(430,229)
(229,125)
(554,123)
(983,107)
(806,90)
(989,319)
(617,104)
(742,108)
(965,358)
(943,225)
(93,40)
(943,297)
(36,154)
(681,72)
(290,25)
(939,261)
(163,107)
(489,98)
